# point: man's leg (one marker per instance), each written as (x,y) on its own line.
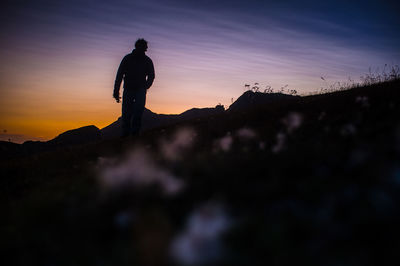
(127,113)
(138,108)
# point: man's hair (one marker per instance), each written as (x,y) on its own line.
(141,44)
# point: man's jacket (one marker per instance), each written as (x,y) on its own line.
(137,70)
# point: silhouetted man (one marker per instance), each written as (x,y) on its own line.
(137,70)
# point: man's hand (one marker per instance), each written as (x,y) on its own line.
(117,97)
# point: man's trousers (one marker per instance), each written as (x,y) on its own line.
(133,102)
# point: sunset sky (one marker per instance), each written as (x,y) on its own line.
(59,58)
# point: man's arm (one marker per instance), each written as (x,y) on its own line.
(150,75)
(118,79)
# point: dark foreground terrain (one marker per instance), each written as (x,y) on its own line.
(304,180)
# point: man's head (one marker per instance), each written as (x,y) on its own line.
(141,45)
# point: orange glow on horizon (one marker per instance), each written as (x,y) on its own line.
(42,112)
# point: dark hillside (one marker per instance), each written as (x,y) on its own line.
(301,180)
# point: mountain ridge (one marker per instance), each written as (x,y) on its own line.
(150,120)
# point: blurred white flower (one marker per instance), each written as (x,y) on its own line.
(280,143)
(199,243)
(348,130)
(225,143)
(321,116)
(246,133)
(261,145)
(138,169)
(292,121)
(363,101)
(105,161)
(182,139)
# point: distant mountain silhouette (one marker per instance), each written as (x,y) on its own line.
(201,112)
(152,120)
(250,98)
(91,133)
(77,136)
(71,137)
